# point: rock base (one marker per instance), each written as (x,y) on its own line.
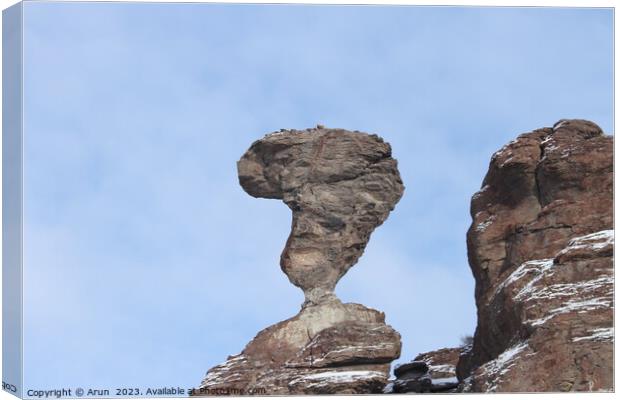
(331,348)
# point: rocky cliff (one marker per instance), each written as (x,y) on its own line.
(541,251)
(340,186)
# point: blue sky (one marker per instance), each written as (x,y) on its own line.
(146,263)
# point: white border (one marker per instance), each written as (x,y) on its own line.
(484,3)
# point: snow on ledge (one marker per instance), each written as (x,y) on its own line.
(479,192)
(448,368)
(574,305)
(481,227)
(538,267)
(502,364)
(336,377)
(580,288)
(505,149)
(593,241)
(601,334)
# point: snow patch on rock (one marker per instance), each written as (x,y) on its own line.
(536,267)
(442,368)
(502,364)
(581,306)
(484,225)
(331,377)
(570,289)
(601,334)
(594,241)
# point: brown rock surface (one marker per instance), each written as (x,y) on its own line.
(340,186)
(540,248)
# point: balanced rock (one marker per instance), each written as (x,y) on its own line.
(340,186)
(541,251)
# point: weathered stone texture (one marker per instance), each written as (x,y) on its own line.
(541,251)
(340,186)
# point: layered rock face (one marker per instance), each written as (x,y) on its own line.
(541,250)
(340,186)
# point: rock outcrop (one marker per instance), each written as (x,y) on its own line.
(411,377)
(541,251)
(431,372)
(441,363)
(340,186)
